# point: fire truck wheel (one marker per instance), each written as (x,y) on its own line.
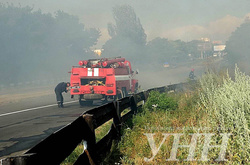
(86,103)
(90,102)
(136,87)
(105,99)
(119,94)
(124,92)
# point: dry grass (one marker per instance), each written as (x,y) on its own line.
(134,146)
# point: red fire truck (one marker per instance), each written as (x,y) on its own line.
(102,79)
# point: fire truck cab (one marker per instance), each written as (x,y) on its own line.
(102,79)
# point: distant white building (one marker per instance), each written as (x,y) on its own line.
(219,50)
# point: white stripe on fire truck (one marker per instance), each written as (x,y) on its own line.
(122,77)
(96,71)
(89,71)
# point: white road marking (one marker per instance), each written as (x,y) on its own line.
(31,109)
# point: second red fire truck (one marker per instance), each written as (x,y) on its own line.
(102,79)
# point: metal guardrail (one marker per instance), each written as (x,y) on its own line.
(59,145)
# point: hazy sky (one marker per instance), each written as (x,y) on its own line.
(173,19)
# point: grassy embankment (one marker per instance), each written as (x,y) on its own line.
(216,104)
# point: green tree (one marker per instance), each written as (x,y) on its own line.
(161,50)
(128,25)
(39,46)
(191,48)
(128,36)
(238,46)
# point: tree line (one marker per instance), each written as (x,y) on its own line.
(128,39)
(35,45)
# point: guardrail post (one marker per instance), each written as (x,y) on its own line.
(89,155)
(146,93)
(133,104)
(117,119)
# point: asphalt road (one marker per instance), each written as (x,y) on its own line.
(26,122)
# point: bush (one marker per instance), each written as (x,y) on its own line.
(160,101)
(227,105)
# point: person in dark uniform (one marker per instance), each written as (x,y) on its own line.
(60,88)
(191,74)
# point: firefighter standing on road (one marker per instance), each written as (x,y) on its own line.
(191,74)
(60,88)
